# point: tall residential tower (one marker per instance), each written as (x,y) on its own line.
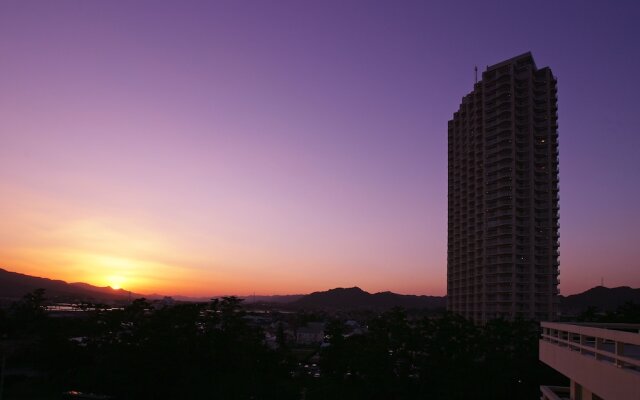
(502,256)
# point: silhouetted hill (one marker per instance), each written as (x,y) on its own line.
(275,299)
(605,299)
(356,298)
(14,285)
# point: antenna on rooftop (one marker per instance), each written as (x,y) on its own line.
(476,70)
(602,281)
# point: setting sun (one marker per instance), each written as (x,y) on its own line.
(115,282)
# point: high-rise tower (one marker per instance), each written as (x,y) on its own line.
(502,256)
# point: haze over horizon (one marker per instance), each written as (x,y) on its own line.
(194,148)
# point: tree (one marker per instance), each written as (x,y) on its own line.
(29,313)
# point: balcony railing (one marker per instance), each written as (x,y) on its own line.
(555,392)
(604,342)
(603,358)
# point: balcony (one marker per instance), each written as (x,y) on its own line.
(555,393)
(602,359)
(498,195)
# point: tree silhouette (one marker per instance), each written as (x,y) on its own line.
(209,350)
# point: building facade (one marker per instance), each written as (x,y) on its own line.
(502,255)
(602,361)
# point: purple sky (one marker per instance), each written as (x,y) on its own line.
(289,146)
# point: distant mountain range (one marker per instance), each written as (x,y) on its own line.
(275,299)
(14,285)
(603,298)
(356,298)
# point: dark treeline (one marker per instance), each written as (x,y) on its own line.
(627,313)
(194,351)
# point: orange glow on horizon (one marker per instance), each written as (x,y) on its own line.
(146,278)
(146,256)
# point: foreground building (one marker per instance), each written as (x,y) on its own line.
(502,256)
(602,361)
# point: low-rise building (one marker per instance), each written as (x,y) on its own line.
(312,333)
(602,361)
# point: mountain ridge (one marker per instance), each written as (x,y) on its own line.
(355,297)
(14,285)
(601,297)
